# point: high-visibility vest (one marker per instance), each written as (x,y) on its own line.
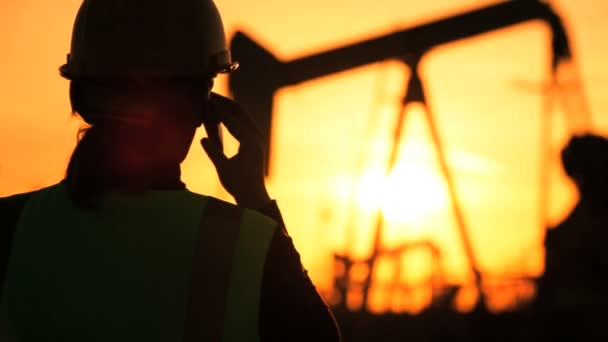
(165,266)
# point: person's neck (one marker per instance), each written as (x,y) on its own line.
(153,176)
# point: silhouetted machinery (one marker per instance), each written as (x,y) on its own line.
(262,74)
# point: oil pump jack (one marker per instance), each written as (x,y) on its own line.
(262,74)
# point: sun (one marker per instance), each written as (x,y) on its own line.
(410,193)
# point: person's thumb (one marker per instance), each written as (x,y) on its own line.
(214,152)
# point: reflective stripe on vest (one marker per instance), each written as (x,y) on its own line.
(168,266)
(227,309)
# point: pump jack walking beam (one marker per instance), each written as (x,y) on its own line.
(262,74)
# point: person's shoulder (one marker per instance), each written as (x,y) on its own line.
(21,197)
(12,206)
(14,200)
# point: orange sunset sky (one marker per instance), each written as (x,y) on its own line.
(483,91)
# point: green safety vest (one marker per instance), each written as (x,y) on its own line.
(165,266)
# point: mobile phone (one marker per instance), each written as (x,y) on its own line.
(211,122)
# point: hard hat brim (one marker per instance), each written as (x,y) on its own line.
(66,72)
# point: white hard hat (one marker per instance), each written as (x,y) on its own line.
(117,39)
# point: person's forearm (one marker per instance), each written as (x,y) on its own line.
(291,308)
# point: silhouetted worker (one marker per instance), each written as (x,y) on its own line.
(573,290)
(120,250)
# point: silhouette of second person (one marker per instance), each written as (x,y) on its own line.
(573,291)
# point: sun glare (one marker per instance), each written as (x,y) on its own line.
(409,194)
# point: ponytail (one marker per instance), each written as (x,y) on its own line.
(85,172)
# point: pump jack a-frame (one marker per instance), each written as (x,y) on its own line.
(261,75)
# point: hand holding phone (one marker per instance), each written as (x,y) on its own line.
(242,175)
